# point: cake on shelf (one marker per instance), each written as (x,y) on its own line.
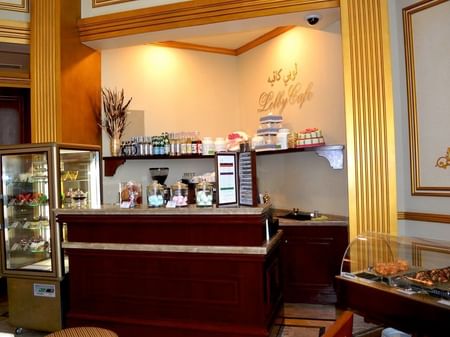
(309,138)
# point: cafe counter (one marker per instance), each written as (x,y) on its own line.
(173,272)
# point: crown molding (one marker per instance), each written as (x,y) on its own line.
(187,14)
(14,32)
(227,51)
(101,3)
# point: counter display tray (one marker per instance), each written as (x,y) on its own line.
(409,279)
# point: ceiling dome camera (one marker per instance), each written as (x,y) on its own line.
(313,19)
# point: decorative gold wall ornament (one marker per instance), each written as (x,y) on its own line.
(276,101)
(16,6)
(444,161)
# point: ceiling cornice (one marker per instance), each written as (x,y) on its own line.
(227,51)
(187,14)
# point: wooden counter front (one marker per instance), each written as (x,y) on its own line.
(172,273)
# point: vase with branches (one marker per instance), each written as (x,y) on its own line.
(115,108)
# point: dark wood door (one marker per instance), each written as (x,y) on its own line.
(15,117)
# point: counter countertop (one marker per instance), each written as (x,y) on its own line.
(142,210)
(323,220)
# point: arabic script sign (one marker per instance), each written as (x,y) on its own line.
(293,92)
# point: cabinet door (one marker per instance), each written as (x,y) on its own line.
(311,259)
(25,213)
(15,116)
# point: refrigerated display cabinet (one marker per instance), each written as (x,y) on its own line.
(37,178)
(397,281)
(415,264)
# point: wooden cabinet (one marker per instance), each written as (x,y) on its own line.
(172,272)
(311,257)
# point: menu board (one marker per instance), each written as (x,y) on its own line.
(248,194)
(227,179)
(236,179)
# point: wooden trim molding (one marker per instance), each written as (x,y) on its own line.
(189,13)
(369,117)
(425,217)
(226,51)
(16,6)
(100,3)
(14,32)
(14,79)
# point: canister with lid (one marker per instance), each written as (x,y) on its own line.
(204,194)
(179,192)
(155,195)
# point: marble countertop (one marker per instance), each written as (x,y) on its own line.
(322,220)
(261,250)
(190,210)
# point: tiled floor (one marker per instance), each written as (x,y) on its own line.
(295,320)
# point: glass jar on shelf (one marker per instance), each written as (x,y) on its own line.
(204,194)
(179,193)
(155,195)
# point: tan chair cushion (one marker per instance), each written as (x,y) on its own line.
(83,332)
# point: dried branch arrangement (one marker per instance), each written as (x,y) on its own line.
(115,111)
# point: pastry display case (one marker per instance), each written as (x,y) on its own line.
(35,179)
(412,265)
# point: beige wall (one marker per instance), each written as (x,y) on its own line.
(217,94)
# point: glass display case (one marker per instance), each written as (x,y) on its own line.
(413,265)
(35,179)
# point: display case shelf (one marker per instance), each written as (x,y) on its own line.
(333,153)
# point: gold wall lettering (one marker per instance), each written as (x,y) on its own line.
(295,94)
(444,161)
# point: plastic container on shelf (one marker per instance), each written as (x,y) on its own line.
(155,195)
(282,139)
(208,147)
(219,144)
(179,194)
(204,194)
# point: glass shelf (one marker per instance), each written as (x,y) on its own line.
(333,153)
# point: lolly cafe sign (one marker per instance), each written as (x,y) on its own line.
(285,90)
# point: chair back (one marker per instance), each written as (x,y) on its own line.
(343,326)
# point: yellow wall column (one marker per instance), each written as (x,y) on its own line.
(369,117)
(65,76)
(45,71)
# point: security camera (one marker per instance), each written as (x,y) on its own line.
(313,19)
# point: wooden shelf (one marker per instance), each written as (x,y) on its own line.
(333,153)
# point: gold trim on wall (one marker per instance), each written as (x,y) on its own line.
(417,187)
(418,248)
(23,6)
(100,3)
(369,117)
(189,13)
(425,217)
(14,32)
